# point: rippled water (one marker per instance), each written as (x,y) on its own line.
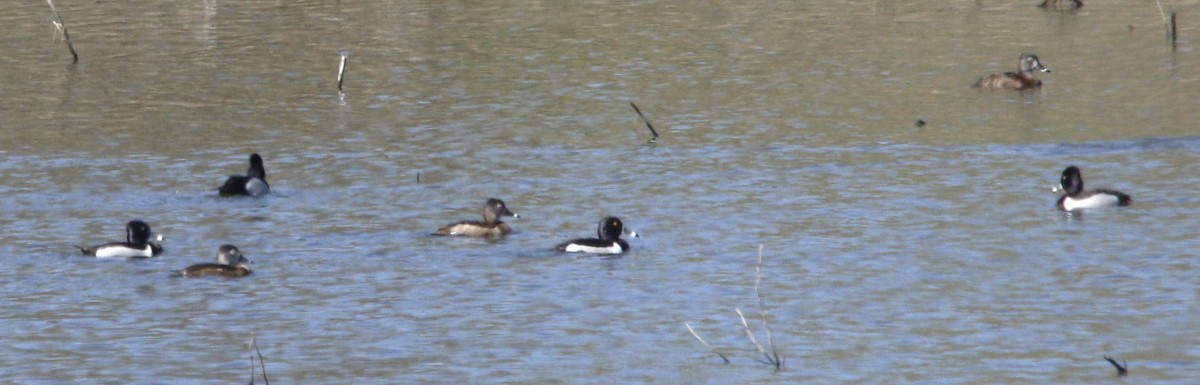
(891,253)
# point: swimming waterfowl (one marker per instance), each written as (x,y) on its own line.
(490,227)
(137,244)
(230,263)
(1061,5)
(1074,197)
(1021,80)
(254,183)
(608,242)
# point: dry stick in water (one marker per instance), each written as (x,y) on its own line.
(769,360)
(251,362)
(251,359)
(254,345)
(261,364)
(1170,24)
(66,35)
(714,350)
(1121,369)
(763,312)
(1173,28)
(341,73)
(652,132)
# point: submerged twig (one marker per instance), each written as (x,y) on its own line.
(714,350)
(652,131)
(341,73)
(1121,369)
(66,35)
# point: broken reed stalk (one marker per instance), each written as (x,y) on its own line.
(254,345)
(251,359)
(770,353)
(763,312)
(66,35)
(714,350)
(1121,369)
(750,333)
(261,364)
(1168,22)
(652,131)
(1172,27)
(341,72)
(769,359)
(251,365)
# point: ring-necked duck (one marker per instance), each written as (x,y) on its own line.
(609,241)
(490,227)
(230,263)
(1075,198)
(137,244)
(1059,5)
(1021,80)
(253,183)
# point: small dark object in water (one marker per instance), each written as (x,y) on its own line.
(920,122)
(1121,369)
(639,112)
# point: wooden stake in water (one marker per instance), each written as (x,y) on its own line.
(652,132)
(66,35)
(341,72)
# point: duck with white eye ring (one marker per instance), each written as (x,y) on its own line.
(491,227)
(608,239)
(137,244)
(230,263)
(1075,197)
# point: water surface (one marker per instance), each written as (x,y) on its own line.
(891,253)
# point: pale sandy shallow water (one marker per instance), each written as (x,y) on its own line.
(892,254)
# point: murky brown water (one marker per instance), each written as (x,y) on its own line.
(893,254)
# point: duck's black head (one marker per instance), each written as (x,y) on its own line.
(1071,181)
(137,232)
(610,228)
(256,169)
